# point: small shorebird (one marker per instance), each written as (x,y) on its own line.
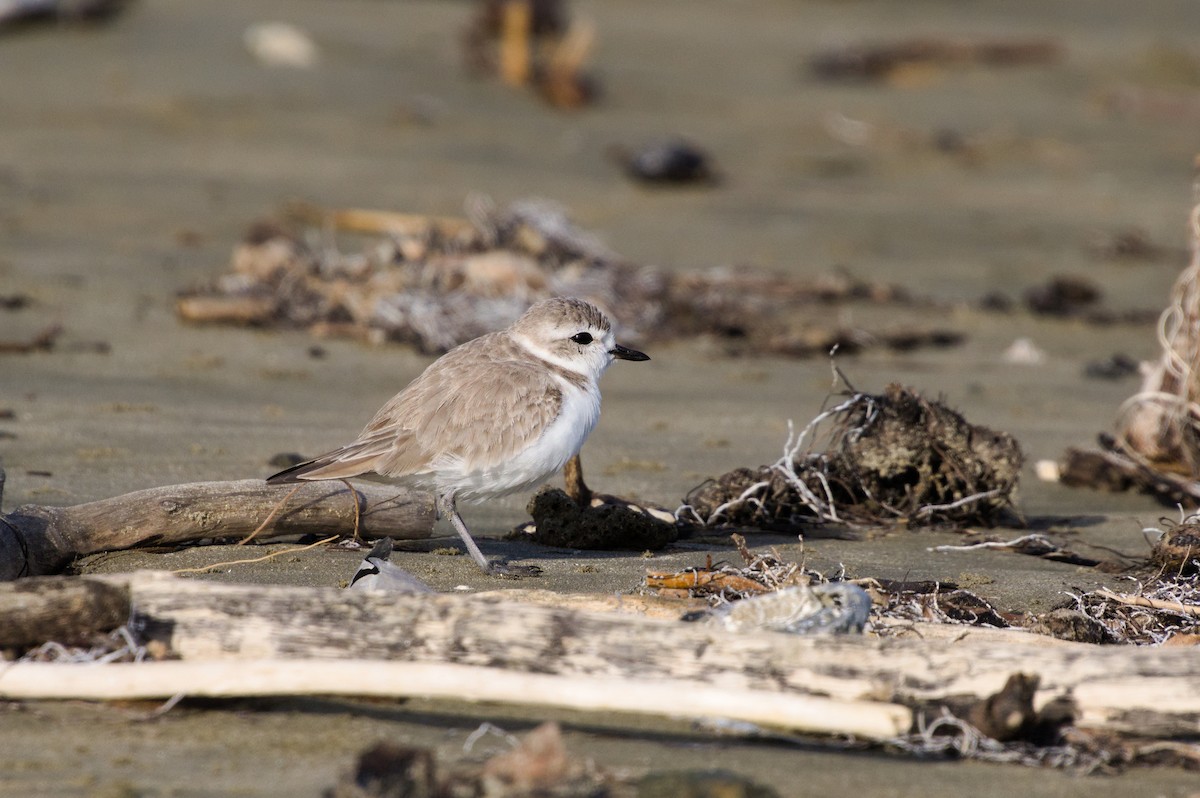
(494,416)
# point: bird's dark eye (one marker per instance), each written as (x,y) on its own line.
(582,338)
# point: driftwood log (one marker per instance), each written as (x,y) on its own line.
(1136,691)
(36,540)
(866,719)
(67,611)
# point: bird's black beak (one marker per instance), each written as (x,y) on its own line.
(625,353)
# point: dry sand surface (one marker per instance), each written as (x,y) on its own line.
(134,155)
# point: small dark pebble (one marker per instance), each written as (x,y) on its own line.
(36,473)
(317,352)
(669,162)
(996,301)
(1062,296)
(394,770)
(1115,367)
(14,301)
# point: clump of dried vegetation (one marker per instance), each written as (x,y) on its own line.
(894,457)
(1156,444)
(435,282)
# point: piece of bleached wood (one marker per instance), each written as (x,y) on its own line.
(682,699)
(1117,688)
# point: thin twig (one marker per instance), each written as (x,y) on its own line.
(1157,604)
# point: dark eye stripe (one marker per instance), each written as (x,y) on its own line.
(582,338)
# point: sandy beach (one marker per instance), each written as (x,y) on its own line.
(135,154)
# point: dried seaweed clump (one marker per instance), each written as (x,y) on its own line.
(895,457)
(429,282)
(1156,445)
(435,282)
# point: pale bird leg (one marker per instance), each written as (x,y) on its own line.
(446,507)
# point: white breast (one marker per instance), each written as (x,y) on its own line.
(561,440)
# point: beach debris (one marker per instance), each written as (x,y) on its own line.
(1004,727)
(532,43)
(387,770)
(932,602)
(1024,352)
(560,521)
(14,13)
(720,583)
(1009,714)
(1160,425)
(1047,470)
(1111,468)
(897,693)
(1065,623)
(69,611)
(42,341)
(1033,545)
(894,457)
(767,593)
(281,44)
(1117,366)
(672,161)
(537,763)
(376,573)
(1158,610)
(37,540)
(579,518)
(1063,295)
(830,608)
(433,282)
(1177,549)
(1127,244)
(896,61)
(1156,444)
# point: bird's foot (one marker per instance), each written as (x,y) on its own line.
(510,571)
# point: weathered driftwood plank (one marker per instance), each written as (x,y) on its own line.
(867,719)
(1150,691)
(37,540)
(68,611)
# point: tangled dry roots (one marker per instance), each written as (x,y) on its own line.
(890,457)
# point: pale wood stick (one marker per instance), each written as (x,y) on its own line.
(684,699)
(1142,601)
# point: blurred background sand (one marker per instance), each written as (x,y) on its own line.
(134,155)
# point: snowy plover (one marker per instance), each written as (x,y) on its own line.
(493,416)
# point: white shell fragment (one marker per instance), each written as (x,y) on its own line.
(1024,352)
(280,44)
(1048,470)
